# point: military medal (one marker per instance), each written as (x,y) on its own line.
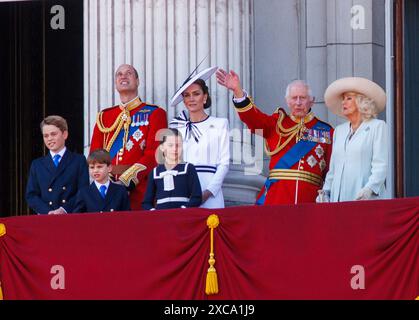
(319,151)
(138,135)
(129,145)
(311,161)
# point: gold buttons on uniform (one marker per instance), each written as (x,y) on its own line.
(120,154)
(50,190)
(64,188)
(50,203)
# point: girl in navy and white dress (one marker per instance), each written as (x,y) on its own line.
(172,184)
(206,141)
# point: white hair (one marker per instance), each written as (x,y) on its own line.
(366,106)
(297,83)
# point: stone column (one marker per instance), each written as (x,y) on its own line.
(354,49)
(165,40)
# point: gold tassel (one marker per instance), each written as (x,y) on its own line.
(212,281)
(2,233)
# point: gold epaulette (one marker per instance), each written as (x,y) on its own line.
(153,105)
(131,174)
(248,107)
(327,124)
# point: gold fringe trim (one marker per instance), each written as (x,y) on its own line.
(131,174)
(211,285)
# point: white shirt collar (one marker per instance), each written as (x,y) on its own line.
(98,185)
(61,153)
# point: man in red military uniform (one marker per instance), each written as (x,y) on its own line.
(128,132)
(299,144)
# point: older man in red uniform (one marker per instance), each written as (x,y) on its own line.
(299,144)
(128,132)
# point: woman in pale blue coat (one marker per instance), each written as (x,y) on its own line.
(359,162)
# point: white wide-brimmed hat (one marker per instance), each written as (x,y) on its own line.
(204,75)
(334,93)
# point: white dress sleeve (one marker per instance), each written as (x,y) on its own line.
(223,159)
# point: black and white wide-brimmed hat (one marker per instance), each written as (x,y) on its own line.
(204,75)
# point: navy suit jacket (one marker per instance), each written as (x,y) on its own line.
(90,200)
(51,187)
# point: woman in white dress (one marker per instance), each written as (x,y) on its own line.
(206,142)
(359,162)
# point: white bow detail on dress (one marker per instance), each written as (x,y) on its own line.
(191,130)
(168,182)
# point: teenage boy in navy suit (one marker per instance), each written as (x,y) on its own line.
(55,178)
(102,195)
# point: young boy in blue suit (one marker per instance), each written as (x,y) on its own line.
(102,195)
(55,178)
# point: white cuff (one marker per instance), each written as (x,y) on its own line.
(240,100)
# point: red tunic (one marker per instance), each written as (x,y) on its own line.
(137,148)
(304,176)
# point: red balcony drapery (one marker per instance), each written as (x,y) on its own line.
(279,252)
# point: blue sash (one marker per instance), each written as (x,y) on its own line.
(118,143)
(297,152)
